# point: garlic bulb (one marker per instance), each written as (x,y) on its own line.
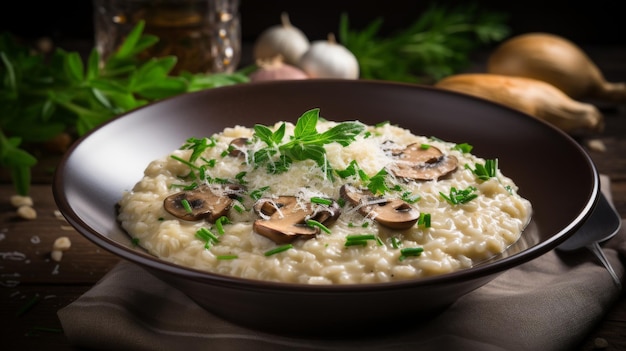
(531,96)
(284,40)
(329,59)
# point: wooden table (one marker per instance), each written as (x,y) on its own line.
(34,287)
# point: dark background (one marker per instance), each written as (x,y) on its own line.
(598,22)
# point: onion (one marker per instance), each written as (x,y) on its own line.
(531,96)
(281,40)
(557,61)
(276,69)
(329,59)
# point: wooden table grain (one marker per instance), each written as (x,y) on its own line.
(33,287)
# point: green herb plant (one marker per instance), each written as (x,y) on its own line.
(42,96)
(435,45)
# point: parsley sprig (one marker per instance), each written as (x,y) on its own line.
(305,144)
(43,95)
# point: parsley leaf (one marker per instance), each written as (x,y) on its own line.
(306,144)
(44,95)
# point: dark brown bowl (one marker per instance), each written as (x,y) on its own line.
(551,169)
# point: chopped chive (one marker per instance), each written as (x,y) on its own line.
(28,305)
(509,189)
(410,251)
(424,146)
(459,196)
(240,176)
(238,208)
(380,124)
(227,257)
(321,201)
(256,194)
(186,205)
(395,242)
(410,198)
(424,220)
(485,171)
(48,329)
(211,163)
(134,241)
(356,242)
(219,224)
(278,249)
(185,187)
(314,223)
(360,237)
(185,162)
(206,235)
(464,147)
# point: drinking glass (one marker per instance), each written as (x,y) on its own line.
(205,35)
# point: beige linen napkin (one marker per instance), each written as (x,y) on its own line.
(549,303)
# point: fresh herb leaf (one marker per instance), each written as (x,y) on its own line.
(485,171)
(256,194)
(435,45)
(44,95)
(377,183)
(306,144)
(463,147)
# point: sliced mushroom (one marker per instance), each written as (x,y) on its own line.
(391,213)
(205,202)
(422,163)
(284,218)
(237,146)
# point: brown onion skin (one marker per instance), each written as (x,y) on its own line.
(555,60)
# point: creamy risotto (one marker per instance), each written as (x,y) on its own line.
(323,202)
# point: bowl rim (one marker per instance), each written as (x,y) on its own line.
(154,263)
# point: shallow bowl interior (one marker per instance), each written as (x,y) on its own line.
(551,169)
